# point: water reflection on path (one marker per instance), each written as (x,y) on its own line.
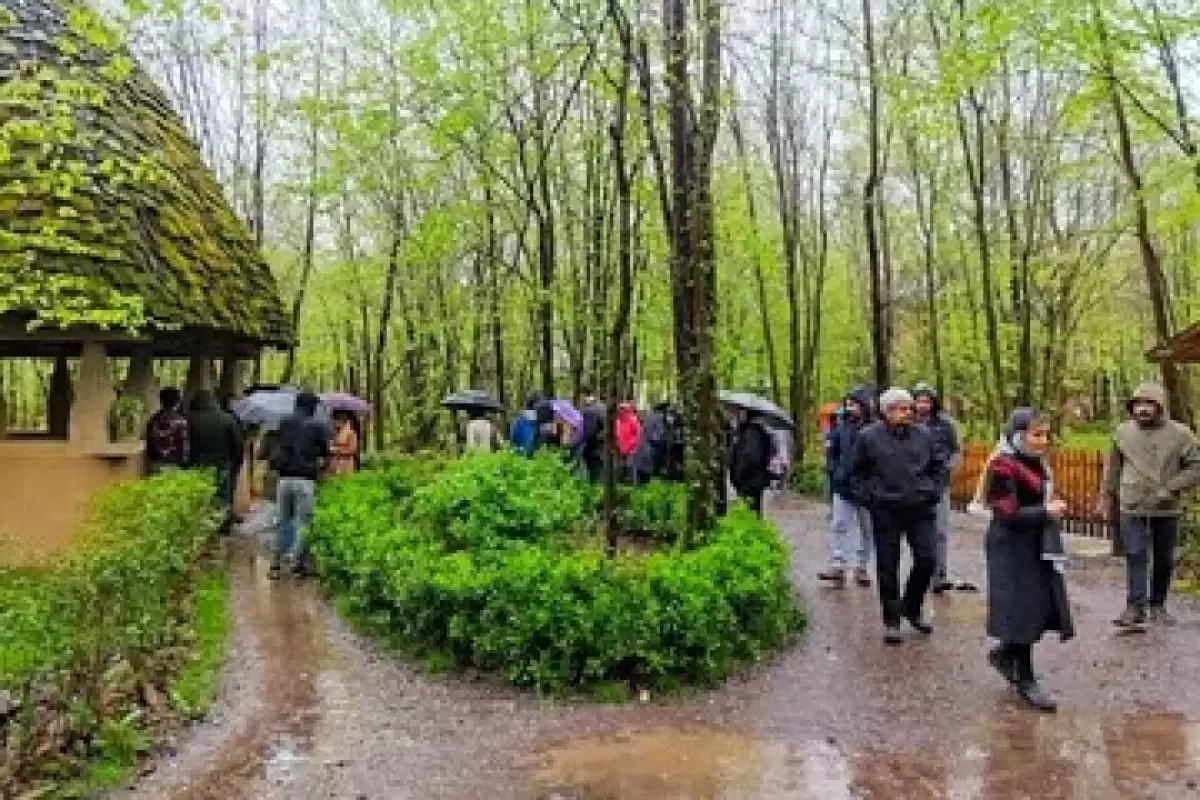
(1011,756)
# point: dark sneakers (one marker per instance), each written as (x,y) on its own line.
(835,577)
(1132,620)
(1033,694)
(1157,615)
(920,625)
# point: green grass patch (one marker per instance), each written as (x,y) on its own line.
(90,643)
(195,689)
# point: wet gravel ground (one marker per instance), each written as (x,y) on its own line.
(310,710)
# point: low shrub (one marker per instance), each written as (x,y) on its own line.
(658,509)
(494,498)
(499,589)
(94,638)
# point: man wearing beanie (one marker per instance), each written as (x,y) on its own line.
(1153,460)
(928,409)
(899,474)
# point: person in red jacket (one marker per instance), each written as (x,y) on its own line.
(629,436)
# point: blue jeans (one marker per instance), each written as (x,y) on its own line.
(846,516)
(943,529)
(295,498)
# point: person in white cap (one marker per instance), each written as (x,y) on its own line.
(899,473)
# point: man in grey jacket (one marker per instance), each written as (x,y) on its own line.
(1153,460)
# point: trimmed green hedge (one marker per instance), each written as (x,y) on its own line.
(89,641)
(490,565)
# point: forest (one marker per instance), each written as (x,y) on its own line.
(659,200)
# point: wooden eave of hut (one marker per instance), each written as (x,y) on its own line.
(1182,348)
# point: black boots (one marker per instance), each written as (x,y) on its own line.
(1033,694)
(1015,663)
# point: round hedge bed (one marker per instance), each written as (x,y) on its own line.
(493,562)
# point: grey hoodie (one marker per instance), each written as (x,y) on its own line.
(1149,467)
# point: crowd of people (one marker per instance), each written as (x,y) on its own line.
(649,445)
(889,461)
(302,449)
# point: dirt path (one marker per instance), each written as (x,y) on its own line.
(309,710)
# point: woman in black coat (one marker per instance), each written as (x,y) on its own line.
(1025,557)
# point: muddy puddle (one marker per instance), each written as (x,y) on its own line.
(1012,756)
(284,655)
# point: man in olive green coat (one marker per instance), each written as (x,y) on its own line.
(1153,460)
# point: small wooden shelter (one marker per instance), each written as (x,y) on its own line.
(116,243)
(1182,348)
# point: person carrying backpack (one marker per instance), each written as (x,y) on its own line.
(167,440)
(750,457)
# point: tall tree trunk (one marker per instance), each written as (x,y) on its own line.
(310,205)
(260,122)
(880,346)
(926,220)
(1156,283)
(760,282)
(619,333)
(693,135)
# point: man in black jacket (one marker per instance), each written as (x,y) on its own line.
(750,460)
(898,472)
(300,454)
(216,443)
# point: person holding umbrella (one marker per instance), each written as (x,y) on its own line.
(750,458)
(752,446)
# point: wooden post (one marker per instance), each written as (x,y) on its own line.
(231,381)
(199,378)
(58,403)
(140,383)
(94,397)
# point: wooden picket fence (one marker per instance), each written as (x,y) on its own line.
(1077,475)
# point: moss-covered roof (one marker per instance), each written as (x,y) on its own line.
(108,215)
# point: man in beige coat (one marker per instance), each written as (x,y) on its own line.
(1153,460)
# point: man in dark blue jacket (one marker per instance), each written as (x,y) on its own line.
(898,472)
(928,408)
(839,449)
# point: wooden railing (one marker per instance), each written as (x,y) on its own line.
(1077,475)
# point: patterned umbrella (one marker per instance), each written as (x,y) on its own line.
(270,407)
(568,413)
(344,401)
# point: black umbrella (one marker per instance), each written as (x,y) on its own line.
(472,400)
(772,414)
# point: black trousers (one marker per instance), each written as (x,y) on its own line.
(890,529)
(1144,537)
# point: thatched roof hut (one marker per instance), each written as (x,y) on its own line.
(108,215)
(116,241)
